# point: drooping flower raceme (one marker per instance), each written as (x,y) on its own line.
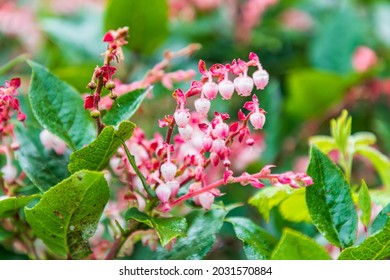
(178,166)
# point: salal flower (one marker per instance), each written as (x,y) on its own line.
(210,90)
(257,117)
(260,78)
(182,117)
(226,89)
(243,85)
(257,120)
(163,193)
(202,106)
(9,173)
(52,142)
(168,170)
(186,132)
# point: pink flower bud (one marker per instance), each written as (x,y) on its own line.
(9,173)
(250,142)
(226,89)
(257,120)
(210,90)
(226,163)
(218,146)
(207,142)
(261,78)
(222,130)
(163,193)
(206,200)
(363,59)
(168,171)
(202,106)
(182,117)
(186,132)
(243,85)
(173,186)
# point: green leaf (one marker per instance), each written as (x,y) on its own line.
(364,202)
(68,214)
(59,108)
(125,106)
(336,40)
(296,246)
(305,85)
(380,220)
(376,247)
(258,244)
(364,138)
(324,143)
(5,235)
(294,208)
(44,168)
(330,202)
(166,228)
(380,162)
(10,206)
(147,22)
(96,155)
(283,197)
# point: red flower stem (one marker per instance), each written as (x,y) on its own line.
(171,127)
(219,183)
(96,100)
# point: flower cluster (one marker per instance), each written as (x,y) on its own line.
(175,165)
(8,105)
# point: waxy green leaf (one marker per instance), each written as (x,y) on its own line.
(258,244)
(44,168)
(380,220)
(147,22)
(96,155)
(290,202)
(59,108)
(10,206)
(376,247)
(296,246)
(166,228)
(125,106)
(330,202)
(68,214)
(364,202)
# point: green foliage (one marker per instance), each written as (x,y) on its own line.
(67,214)
(96,155)
(296,246)
(59,108)
(125,106)
(336,40)
(380,220)
(376,247)
(147,22)
(258,244)
(306,85)
(291,203)
(166,228)
(365,204)
(10,206)
(44,168)
(330,202)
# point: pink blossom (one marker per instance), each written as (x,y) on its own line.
(52,142)
(363,59)
(297,20)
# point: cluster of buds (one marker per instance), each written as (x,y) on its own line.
(178,161)
(102,76)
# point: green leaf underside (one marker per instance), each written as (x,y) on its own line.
(67,215)
(258,244)
(166,228)
(376,247)
(296,246)
(96,155)
(282,197)
(124,107)
(10,206)
(330,202)
(380,220)
(44,168)
(364,202)
(59,108)
(147,22)
(379,161)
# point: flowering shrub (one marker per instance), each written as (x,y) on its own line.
(155,162)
